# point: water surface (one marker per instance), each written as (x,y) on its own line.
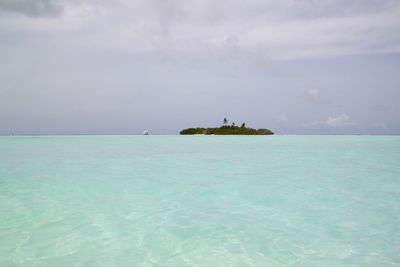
(200,201)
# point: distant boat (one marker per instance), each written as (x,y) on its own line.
(145,133)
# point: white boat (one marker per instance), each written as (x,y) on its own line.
(145,133)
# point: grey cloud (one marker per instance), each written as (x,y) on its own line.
(260,31)
(32,8)
(314,96)
(379,108)
(191,63)
(381,125)
(336,121)
(339,121)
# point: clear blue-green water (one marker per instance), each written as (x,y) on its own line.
(200,201)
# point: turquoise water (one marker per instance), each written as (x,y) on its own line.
(200,201)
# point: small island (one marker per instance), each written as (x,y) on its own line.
(226,129)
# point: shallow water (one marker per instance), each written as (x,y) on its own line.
(200,201)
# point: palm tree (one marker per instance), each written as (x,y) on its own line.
(225,122)
(243,125)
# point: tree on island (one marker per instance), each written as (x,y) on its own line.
(227,129)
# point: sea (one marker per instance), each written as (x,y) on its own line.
(269,201)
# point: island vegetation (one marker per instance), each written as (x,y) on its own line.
(226,129)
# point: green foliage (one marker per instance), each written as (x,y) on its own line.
(193,131)
(264,131)
(226,130)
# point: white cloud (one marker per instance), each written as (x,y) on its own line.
(313,93)
(314,96)
(339,121)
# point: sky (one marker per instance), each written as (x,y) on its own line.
(125,66)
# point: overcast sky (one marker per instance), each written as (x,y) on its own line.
(124,66)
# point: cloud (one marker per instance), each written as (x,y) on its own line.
(207,30)
(282,118)
(339,121)
(336,122)
(381,125)
(379,107)
(269,57)
(32,8)
(314,96)
(313,93)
